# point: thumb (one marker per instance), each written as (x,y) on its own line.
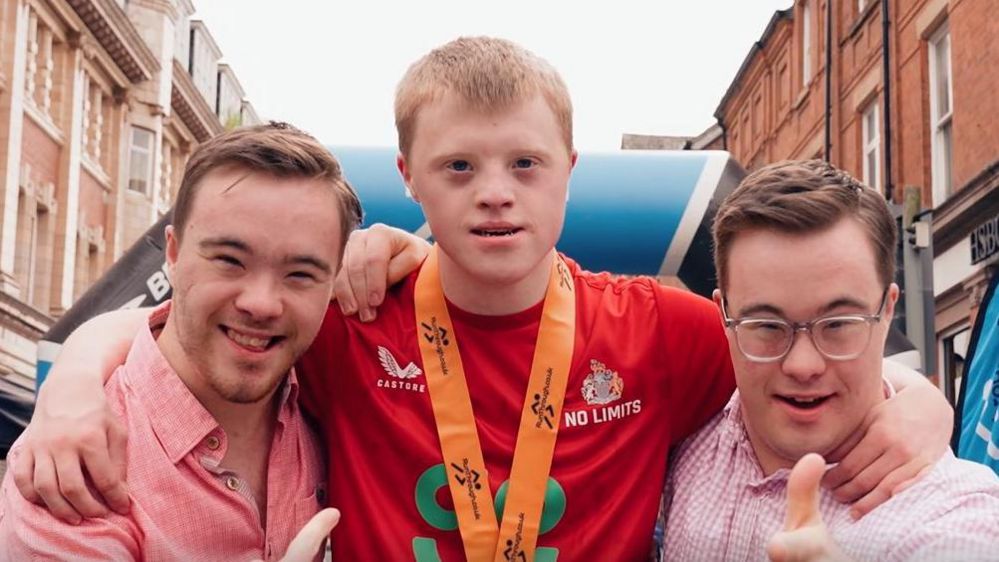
(803,492)
(307,542)
(796,546)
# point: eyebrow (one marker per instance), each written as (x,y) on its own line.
(763,308)
(237,244)
(224,242)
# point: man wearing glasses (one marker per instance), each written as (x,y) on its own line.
(805,257)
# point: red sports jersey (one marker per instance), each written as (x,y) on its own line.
(650,366)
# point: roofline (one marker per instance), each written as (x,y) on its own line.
(200,24)
(756,48)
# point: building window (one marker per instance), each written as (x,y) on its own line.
(861,4)
(806,42)
(140,160)
(955,351)
(871,146)
(941,114)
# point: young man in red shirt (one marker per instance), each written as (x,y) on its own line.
(497,345)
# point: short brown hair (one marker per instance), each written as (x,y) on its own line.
(487,73)
(799,197)
(274,148)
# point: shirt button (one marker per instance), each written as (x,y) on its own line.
(232,483)
(212,442)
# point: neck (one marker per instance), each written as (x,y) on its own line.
(771,461)
(239,421)
(493,298)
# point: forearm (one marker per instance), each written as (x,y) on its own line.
(92,352)
(902,377)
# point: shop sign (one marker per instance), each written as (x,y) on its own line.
(985,240)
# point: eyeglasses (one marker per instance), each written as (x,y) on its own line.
(840,338)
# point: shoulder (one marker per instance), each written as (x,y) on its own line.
(952,484)
(620,290)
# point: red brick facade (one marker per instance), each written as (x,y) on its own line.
(773,111)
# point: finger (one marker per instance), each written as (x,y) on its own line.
(73,485)
(106,468)
(307,542)
(23,470)
(859,452)
(342,293)
(905,484)
(804,545)
(887,486)
(379,253)
(355,265)
(803,492)
(864,481)
(47,485)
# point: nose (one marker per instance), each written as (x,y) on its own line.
(495,190)
(803,361)
(260,298)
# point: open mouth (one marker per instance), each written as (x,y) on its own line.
(495,232)
(252,343)
(809,403)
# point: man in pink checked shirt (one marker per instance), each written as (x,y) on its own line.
(805,261)
(221,463)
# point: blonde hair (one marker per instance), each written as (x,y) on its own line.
(487,73)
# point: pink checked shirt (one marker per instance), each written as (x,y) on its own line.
(721,507)
(184,507)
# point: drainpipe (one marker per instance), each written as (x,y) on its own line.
(886,83)
(829,44)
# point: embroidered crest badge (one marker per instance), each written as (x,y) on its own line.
(602,386)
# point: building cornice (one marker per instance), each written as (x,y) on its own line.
(207,35)
(111,28)
(23,318)
(190,106)
(973,203)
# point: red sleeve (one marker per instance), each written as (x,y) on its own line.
(695,354)
(316,368)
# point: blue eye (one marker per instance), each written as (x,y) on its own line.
(524,163)
(460,166)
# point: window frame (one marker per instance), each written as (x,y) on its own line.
(941,124)
(871,143)
(149,151)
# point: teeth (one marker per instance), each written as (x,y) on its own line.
(495,232)
(248,341)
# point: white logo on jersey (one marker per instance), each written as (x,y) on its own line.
(602,386)
(391,366)
(402,378)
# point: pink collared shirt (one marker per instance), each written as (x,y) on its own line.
(184,507)
(720,506)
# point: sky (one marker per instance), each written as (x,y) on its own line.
(331,67)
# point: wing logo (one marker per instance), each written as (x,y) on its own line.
(391,366)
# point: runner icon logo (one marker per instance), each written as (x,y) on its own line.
(441,333)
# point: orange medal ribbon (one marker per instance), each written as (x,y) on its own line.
(468,479)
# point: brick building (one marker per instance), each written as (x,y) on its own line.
(101,103)
(938,150)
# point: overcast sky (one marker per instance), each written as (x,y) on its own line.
(331,67)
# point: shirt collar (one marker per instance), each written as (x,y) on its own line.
(178,419)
